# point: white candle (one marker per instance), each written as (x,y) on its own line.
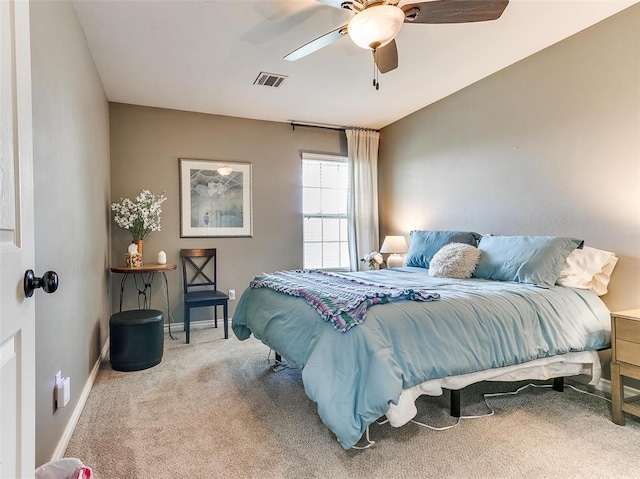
(162,257)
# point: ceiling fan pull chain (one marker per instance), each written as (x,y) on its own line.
(376,83)
(374,68)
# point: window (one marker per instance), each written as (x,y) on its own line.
(325,183)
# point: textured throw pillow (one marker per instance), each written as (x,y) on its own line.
(526,259)
(454,260)
(424,244)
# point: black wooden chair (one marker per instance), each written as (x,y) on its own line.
(199,285)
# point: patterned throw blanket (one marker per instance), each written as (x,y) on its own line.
(341,300)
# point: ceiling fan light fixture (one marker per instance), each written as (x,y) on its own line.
(375,26)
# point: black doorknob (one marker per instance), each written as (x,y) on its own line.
(48,282)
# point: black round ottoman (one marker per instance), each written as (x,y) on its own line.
(136,339)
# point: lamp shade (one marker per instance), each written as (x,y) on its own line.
(375,26)
(394,244)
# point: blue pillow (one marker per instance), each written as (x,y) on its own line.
(526,259)
(424,244)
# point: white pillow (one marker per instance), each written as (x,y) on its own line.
(588,268)
(454,260)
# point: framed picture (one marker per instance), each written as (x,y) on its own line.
(215,198)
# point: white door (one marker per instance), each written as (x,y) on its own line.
(17,313)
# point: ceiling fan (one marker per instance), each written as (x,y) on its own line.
(376,23)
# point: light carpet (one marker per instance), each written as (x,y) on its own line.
(214,408)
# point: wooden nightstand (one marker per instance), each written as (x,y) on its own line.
(625,362)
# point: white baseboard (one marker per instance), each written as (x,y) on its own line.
(60,449)
(603,385)
(205,324)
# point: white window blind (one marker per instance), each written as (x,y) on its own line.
(325,183)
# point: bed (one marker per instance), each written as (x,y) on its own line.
(474,329)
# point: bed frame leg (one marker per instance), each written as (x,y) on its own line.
(558,384)
(277,365)
(455,402)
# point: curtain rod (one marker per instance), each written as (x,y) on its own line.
(310,125)
(326,127)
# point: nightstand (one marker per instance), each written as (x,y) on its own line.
(625,362)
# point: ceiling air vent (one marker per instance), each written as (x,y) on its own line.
(269,79)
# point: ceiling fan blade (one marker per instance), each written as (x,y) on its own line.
(454,11)
(317,44)
(386,57)
(278,18)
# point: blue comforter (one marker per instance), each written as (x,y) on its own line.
(476,325)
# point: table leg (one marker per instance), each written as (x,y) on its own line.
(166,295)
(617,395)
(123,281)
(144,290)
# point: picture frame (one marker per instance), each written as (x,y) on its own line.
(215,199)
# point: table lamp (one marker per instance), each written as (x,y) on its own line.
(394,245)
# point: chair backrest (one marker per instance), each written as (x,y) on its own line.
(199,269)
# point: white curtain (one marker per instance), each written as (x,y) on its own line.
(362,147)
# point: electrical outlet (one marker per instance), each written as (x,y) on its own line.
(63,392)
(57,380)
(232,294)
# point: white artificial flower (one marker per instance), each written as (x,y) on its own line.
(140,217)
(373,259)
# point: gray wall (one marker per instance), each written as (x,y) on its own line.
(71,183)
(146,144)
(548,146)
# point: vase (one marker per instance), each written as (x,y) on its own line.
(139,244)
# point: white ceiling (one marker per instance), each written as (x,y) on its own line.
(204,56)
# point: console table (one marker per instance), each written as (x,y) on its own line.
(143,280)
